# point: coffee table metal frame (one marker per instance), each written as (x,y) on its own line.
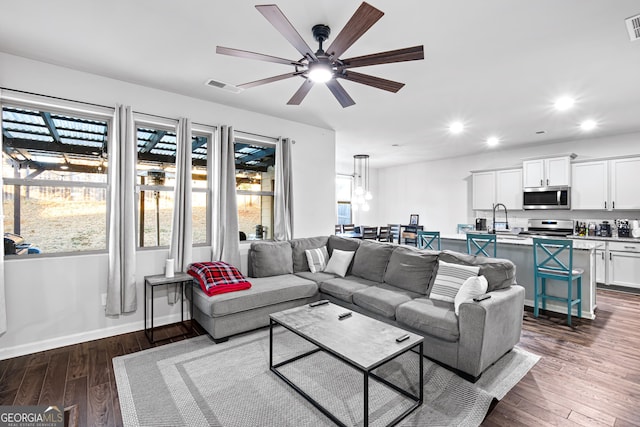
(367,374)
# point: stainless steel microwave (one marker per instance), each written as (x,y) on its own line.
(547,198)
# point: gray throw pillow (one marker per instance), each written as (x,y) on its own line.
(412,269)
(270,259)
(500,273)
(299,246)
(371,260)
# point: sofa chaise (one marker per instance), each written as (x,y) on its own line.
(388,282)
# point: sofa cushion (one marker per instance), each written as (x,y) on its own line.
(382,299)
(264,292)
(316,277)
(500,273)
(411,269)
(270,259)
(298,246)
(371,260)
(449,280)
(431,317)
(344,288)
(339,262)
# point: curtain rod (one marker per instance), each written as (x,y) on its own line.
(98,105)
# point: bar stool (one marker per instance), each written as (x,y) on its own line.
(553,259)
(427,240)
(483,244)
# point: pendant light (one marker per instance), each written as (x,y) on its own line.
(361,192)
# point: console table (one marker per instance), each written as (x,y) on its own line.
(159,280)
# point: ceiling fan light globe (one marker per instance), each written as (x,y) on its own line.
(320,73)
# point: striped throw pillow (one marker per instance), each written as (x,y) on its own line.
(317,259)
(449,279)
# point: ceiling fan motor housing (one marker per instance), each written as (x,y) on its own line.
(320,33)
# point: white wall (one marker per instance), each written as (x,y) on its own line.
(440,191)
(56,301)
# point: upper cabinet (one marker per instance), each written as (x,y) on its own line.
(484,190)
(551,172)
(590,185)
(509,188)
(500,186)
(606,184)
(625,180)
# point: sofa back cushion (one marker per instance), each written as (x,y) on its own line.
(500,273)
(411,269)
(371,259)
(270,259)
(298,246)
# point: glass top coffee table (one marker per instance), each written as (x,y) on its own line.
(360,341)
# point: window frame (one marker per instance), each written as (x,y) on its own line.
(261,141)
(19,100)
(344,201)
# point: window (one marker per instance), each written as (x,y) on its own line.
(54,167)
(255,179)
(156,172)
(343,196)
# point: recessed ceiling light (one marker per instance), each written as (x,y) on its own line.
(456,127)
(564,103)
(492,141)
(588,125)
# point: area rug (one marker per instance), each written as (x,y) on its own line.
(199,383)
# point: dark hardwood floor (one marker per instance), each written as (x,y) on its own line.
(589,375)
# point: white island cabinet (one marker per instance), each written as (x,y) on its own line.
(520,251)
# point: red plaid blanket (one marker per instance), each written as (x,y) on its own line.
(218,277)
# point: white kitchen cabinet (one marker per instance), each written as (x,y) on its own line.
(551,172)
(509,188)
(601,266)
(624,179)
(484,190)
(624,264)
(590,188)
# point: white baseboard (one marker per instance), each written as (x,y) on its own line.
(562,308)
(21,350)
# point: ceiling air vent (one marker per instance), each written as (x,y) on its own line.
(633,27)
(223,86)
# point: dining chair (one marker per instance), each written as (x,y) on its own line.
(369,233)
(384,233)
(429,240)
(338,229)
(394,233)
(481,244)
(409,235)
(348,228)
(553,259)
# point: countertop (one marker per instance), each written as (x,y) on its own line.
(580,243)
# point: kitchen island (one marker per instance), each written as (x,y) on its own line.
(519,250)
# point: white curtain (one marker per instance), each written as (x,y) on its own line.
(180,248)
(225,237)
(3,304)
(283,194)
(121,286)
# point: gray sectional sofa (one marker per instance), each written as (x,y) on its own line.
(385,281)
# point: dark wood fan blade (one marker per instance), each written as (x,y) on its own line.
(360,22)
(267,80)
(300,94)
(398,55)
(368,80)
(341,95)
(252,55)
(282,24)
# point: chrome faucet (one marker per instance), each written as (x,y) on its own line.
(506,217)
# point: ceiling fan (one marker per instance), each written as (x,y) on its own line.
(325,66)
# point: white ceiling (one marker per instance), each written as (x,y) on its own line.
(495,64)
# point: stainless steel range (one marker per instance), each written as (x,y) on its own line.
(549,227)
